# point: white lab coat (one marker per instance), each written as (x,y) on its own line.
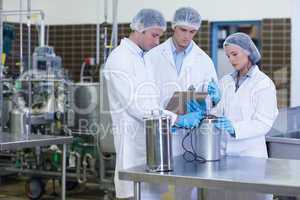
(252,109)
(131,96)
(197,69)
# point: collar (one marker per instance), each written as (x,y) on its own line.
(133,46)
(187,50)
(250,73)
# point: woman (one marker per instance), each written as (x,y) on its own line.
(248,107)
(248,104)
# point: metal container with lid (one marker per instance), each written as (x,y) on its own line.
(209,142)
(158,142)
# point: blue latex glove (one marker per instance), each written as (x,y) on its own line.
(190,120)
(196,106)
(214,92)
(173,129)
(224,124)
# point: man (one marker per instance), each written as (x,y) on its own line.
(131,94)
(179,64)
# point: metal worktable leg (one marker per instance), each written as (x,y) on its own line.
(137,190)
(201,194)
(63,174)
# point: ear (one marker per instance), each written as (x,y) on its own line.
(173,26)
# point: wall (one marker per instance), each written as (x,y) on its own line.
(91,11)
(295,74)
(276,56)
(76,42)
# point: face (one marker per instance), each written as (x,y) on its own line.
(237,57)
(183,35)
(150,38)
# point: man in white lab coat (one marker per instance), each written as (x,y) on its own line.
(131,93)
(179,64)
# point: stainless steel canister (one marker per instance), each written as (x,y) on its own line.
(19,122)
(209,142)
(85,103)
(158,142)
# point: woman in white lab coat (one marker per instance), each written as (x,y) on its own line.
(248,108)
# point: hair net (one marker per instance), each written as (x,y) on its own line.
(245,42)
(187,16)
(146,19)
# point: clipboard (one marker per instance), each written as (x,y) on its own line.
(177,103)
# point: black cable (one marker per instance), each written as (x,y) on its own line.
(185,149)
(192,153)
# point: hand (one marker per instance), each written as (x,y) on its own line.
(223,123)
(196,106)
(214,92)
(190,120)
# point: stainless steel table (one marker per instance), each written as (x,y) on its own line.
(11,142)
(276,176)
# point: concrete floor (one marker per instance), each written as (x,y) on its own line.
(13,188)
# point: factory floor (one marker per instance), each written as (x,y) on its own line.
(13,188)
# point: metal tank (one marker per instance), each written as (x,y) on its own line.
(158,142)
(85,103)
(209,142)
(19,119)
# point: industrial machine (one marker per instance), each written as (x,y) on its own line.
(39,98)
(43,100)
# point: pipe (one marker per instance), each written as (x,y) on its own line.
(67,130)
(42,30)
(47,35)
(98,34)
(21,12)
(21,39)
(1,66)
(63,174)
(115,24)
(29,33)
(45,173)
(82,71)
(102,159)
(85,164)
(29,66)
(88,158)
(80,179)
(78,162)
(105,45)
(105,10)
(98,44)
